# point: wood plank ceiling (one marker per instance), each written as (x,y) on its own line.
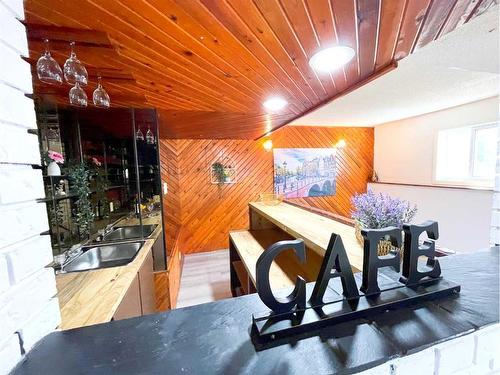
(207,65)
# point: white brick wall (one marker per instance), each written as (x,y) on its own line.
(14,71)
(10,152)
(26,257)
(21,183)
(13,32)
(16,108)
(9,353)
(477,353)
(28,309)
(39,324)
(13,224)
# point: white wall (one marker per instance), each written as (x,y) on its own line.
(404,149)
(463,215)
(28,308)
(405,152)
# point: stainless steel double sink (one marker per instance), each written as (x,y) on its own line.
(104,256)
(114,254)
(129,232)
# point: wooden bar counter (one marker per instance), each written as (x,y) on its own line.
(95,296)
(272,223)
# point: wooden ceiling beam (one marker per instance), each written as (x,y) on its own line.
(57,34)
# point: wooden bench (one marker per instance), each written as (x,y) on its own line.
(270,224)
(245,247)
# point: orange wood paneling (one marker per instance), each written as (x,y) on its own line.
(162,297)
(174,269)
(206,212)
(208,64)
(171,201)
(167,283)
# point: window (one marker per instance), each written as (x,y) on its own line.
(467,155)
(484,152)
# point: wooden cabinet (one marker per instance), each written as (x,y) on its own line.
(130,306)
(159,263)
(140,297)
(147,286)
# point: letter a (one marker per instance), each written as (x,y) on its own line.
(336,259)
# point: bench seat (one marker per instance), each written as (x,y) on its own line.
(246,246)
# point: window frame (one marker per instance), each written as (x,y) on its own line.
(470,181)
(475,130)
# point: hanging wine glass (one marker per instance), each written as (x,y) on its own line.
(48,69)
(77,96)
(139,136)
(150,138)
(74,71)
(100,96)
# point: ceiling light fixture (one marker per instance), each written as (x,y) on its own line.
(340,144)
(275,103)
(268,145)
(332,58)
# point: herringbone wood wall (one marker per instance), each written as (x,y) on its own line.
(204,213)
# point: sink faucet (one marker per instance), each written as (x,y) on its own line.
(103,232)
(66,257)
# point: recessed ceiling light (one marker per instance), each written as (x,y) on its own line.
(275,103)
(332,58)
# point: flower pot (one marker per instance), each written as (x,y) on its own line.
(384,246)
(53,169)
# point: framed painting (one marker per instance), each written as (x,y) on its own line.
(304,172)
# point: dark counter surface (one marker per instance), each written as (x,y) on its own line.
(213,338)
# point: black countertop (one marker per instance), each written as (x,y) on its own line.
(213,338)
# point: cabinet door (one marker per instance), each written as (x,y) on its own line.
(147,285)
(159,263)
(130,306)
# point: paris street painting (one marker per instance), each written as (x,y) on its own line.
(304,172)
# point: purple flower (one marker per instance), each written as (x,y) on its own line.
(381,210)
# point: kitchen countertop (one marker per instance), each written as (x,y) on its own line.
(92,297)
(214,338)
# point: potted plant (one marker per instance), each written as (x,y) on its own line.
(79,175)
(227,174)
(375,211)
(52,159)
(219,172)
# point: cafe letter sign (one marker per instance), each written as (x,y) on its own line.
(296,315)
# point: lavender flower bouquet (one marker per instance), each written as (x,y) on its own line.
(376,211)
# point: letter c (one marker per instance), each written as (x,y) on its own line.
(298,295)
